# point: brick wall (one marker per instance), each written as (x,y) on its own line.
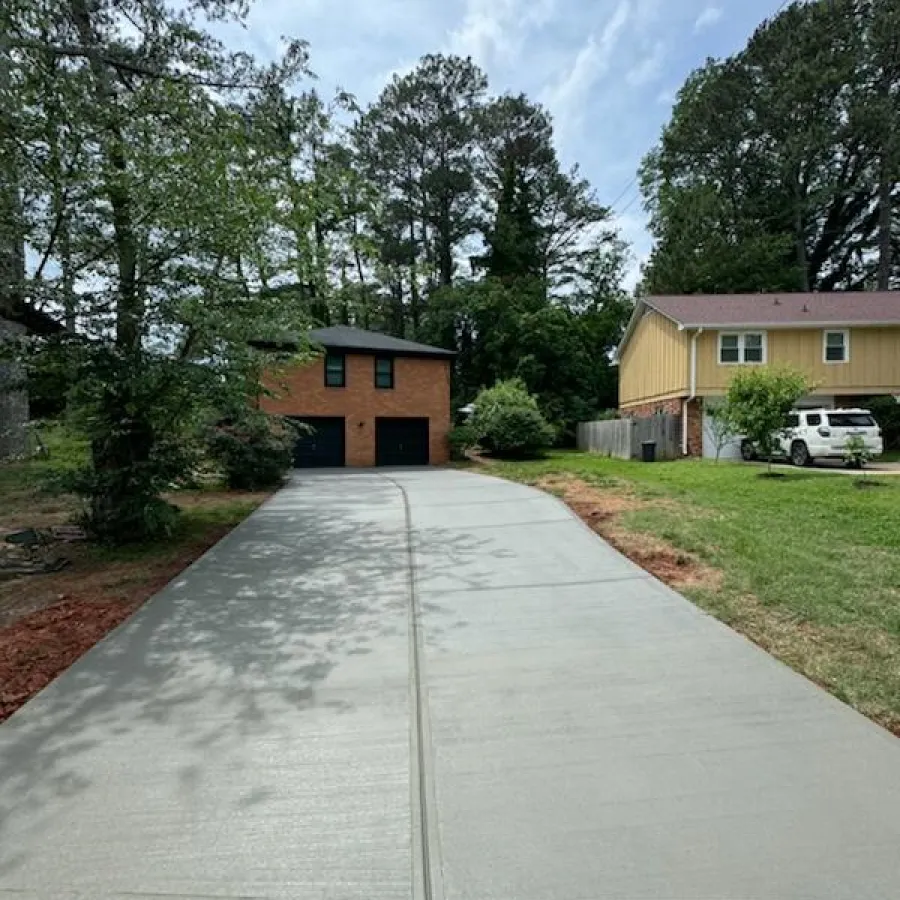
(421,389)
(642,410)
(695,427)
(675,407)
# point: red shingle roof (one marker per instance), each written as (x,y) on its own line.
(846,308)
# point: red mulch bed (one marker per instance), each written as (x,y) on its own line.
(34,650)
(44,642)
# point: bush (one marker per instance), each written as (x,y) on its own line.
(507,421)
(461,438)
(253,452)
(886,411)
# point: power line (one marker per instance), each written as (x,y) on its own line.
(624,191)
(628,206)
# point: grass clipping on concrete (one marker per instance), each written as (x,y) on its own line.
(807,566)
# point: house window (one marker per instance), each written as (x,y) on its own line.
(335,371)
(743,347)
(729,348)
(837,346)
(384,372)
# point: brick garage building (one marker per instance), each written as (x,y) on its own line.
(370,399)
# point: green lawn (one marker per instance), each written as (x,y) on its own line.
(810,563)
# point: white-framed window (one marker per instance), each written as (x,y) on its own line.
(742,347)
(836,346)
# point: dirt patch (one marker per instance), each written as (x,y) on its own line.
(49,621)
(206,499)
(674,567)
(600,508)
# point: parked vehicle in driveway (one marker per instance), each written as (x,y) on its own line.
(812,434)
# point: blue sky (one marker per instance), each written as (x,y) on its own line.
(607,70)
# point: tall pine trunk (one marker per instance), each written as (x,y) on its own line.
(885,221)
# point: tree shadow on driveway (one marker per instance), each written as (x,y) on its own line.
(300,613)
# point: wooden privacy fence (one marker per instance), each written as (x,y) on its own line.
(623,437)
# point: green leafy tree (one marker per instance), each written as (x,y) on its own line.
(758,402)
(417,146)
(778,169)
(161,286)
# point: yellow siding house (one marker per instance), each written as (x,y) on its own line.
(679,353)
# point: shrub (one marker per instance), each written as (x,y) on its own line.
(886,411)
(507,421)
(253,452)
(122,503)
(856,453)
(461,438)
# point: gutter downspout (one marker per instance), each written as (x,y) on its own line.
(684,411)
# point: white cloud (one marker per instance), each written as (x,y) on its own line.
(495,29)
(566,97)
(649,67)
(708,18)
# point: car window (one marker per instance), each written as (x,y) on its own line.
(813,419)
(850,420)
(793,421)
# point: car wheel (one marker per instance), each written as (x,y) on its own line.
(748,451)
(800,454)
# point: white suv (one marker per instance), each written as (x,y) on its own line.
(823,433)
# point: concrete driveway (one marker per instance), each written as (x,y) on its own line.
(501,707)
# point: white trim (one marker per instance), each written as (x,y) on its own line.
(684,410)
(741,348)
(835,362)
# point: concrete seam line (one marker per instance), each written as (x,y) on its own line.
(427,880)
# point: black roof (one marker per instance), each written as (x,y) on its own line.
(343,337)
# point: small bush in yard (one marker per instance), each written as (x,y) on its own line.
(507,421)
(857,454)
(461,438)
(254,452)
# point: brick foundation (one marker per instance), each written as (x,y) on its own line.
(643,410)
(421,389)
(675,406)
(695,427)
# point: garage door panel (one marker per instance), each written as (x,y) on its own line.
(401,442)
(322,443)
(725,447)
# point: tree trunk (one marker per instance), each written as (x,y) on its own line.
(12,234)
(885,220)
(123,492)
(800,235)
(413,279)
(399,312)
(445,251)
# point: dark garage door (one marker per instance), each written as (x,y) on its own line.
(323,447)
(401,442)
